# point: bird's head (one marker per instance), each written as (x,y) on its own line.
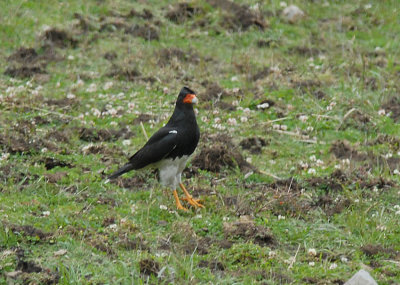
(186,97)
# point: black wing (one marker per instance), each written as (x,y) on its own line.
(157,147)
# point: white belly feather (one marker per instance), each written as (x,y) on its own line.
(170,171)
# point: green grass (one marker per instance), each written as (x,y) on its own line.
(345,52)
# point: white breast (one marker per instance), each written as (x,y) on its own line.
(170,171)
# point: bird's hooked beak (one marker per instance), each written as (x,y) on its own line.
(190,99)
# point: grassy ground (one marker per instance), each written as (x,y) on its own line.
(298,163)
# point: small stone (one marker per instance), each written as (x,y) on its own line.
(362,277)
(292,14)
(60,252)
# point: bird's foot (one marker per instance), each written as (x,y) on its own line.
(178,202)
(194,202)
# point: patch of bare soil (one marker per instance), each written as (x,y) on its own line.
(343,150)
(261,74)
(24,144)
(215,158)
(24,55)
(107,152)
(145,31)
(110,55)
(213,92)
(371,250)
(167,55)
(143,118)
(182,12)
(199,245)
(246,229)
(254,144)
(25,268)
(124,73)
(101,135)
(55,177)
(59,38)
(145,14)
(392,142)
(61,103)
(27,230)
(149,267)
(59,136)
(392,106)
(137,182)
(24,71)
(103,244)
(357,120)
(305,51)
(51,162)
(133,244)
(239,17)
(213,265)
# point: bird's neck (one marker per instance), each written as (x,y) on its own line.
(182,113)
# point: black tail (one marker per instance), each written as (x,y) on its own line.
(127,167)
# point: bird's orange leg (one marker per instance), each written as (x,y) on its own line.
(189,198)
(178,203)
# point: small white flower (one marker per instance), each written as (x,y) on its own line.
(397,207)
(71,57)
(263,106)
(234,78)
(204,119)
(218,127)
(113,227)
(313,158)
(329,108)
(367,6)
(284,127)
(249,159)
(344,259)
(247,111)
(319,162)
(332,104)
(113,123)
(272,162)
(309,129)
(217,120)
(163,207)
(311,171)
(381,228)
(92,88)
(333,266)
(397,213)
(165,90)
(311,263)
(281,217)
(304,165)
(96,112)
(283,4)
(133,209)
(126,142)
(215,112)
(381,112)
(303,118)
(356,201)
(198,216)
(225,219)
(232,122)
(388,155)
(271,254)
(108,85)
(346,161)
(276,126)
(4,156)
(46,213)
(236,90)
(243,119)
(71,96)
(312,252)
(43,150)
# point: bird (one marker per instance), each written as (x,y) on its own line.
(170,147)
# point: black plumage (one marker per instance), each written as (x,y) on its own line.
(170,147)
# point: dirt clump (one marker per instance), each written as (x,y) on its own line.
(132,183)
(27,230)
(342,150)
(213,265)
(246,229)
(149,267)
(167,55)
(145,14)
(24,71)
(358,120)
(59,136)
(110,55)
(261,74)
(50,163)
(55,177)
(124,73)
(213,92)
(392,106)
(24,55)
(146,31)
(59,38)
(199,245)
(215,158)
(101,135)
(239,17)
(371,250)
(254,144)
(305,51)
(181,12)
(61,103)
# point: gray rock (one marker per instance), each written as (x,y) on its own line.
(362,277)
